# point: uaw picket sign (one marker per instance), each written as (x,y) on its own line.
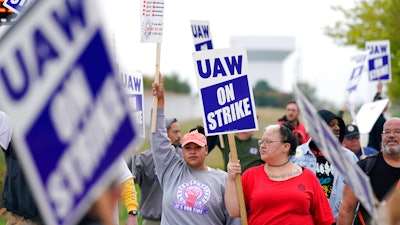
(201,33)
(379,67)
(225,92)
(60,87)
(331,148)
(132,81)
(356,72)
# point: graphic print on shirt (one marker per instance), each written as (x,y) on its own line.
(192,196)
(253,151)
(324,173)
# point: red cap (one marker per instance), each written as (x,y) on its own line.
(194,137)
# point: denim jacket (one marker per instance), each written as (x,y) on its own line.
(304,157)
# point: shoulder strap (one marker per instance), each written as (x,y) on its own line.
(371,161)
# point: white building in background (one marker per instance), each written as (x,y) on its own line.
(266,57)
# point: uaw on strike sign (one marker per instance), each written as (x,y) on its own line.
(59,85)
(226,95)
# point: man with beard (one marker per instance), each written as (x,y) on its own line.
(383,170)
(292,114)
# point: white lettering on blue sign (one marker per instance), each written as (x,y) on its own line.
(229,114)
(76,166)
(30,62)
(69,105)
(377,73)
(218,67)
(225,94)
(200,31)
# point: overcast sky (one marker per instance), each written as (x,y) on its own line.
(323,64)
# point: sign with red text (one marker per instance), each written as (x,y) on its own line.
(152,20)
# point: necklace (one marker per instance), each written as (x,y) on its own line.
(280,165)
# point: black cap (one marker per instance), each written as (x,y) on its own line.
(351,132)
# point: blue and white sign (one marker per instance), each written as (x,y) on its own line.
(323,136)
(17,5)
(59,85)
(132,82)
(201,33)
(379,67)
(225,93)
(356,72)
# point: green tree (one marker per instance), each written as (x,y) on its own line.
(171,83)
(174,84)
(308,91)
(372,20)
(265,95)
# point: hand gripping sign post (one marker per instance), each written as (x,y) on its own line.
(59,85)
(331,148)
(227,98)
(379,67)
(152,13)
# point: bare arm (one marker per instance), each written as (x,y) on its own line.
(231,198)
(348,207)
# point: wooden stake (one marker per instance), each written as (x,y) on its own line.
(155,99)
(238,181)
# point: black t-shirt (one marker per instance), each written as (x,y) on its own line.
(383,178)
(324,172)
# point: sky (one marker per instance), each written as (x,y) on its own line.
(320,62)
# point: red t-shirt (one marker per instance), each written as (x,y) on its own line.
(299,131)
(298,200)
